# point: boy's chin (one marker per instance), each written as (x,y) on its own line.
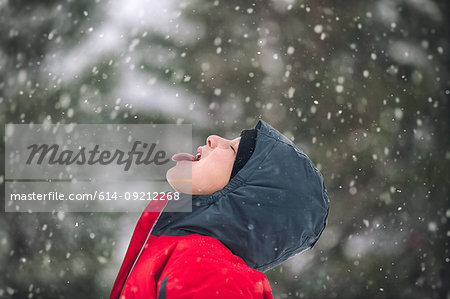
(180,183)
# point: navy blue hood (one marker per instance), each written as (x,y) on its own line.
(275,206)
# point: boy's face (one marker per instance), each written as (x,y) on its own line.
(210,173)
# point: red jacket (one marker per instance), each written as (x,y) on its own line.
(190,266)
(276,206)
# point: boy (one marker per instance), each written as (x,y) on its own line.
(257,200)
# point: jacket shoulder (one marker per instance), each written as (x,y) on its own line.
(203,267)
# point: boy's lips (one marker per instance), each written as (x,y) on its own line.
(199,153)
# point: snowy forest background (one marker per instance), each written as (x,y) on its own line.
(361,86)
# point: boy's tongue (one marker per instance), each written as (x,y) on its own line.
(183,157)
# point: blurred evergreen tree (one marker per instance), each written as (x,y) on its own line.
(361,86)
(52,255)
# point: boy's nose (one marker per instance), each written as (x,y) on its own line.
(214,141)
